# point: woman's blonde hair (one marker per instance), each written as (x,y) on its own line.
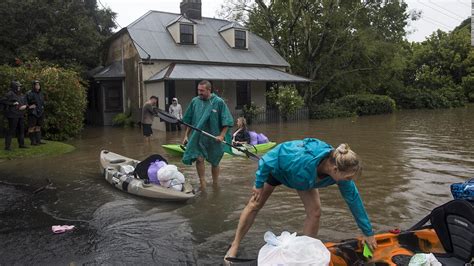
(243,121)
(346,160)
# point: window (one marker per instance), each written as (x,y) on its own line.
(187,33)
(243,93)
(113,99)
(240,39)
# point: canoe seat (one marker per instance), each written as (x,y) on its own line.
(453,222)
(454,225)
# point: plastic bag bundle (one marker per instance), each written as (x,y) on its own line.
(253,137)
(424,259)
(153,171)
(261,138)
(170,177)
(289,249)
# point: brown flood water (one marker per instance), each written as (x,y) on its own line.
(410,159)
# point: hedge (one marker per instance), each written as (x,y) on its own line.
(65,96)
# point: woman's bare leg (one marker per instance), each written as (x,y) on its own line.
(247,218)
(312,206)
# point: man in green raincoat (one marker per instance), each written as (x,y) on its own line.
(209,113)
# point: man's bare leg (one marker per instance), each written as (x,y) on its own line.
(201,170)
(215,174)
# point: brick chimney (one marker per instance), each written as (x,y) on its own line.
(191,9)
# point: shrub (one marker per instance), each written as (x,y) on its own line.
(123,120)
(250,112)
(287,99)
(65,96)
(366,104)
(446,97)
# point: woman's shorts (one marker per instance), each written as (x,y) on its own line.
(273,181)
(147,131)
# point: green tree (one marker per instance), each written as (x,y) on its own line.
(439,71)
(287,99)
(346,47)
(65,32)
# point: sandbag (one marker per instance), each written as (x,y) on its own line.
(289,249)
(261,138)
(153,171)
(253,137)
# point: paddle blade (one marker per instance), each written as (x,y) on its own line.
(167,116)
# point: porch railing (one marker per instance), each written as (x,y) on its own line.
(273,115)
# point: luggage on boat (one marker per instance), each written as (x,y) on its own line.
(131,176)
(447,232)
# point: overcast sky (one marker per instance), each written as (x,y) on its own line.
(436,14)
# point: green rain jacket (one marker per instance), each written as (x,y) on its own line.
(294,164)
(211,116)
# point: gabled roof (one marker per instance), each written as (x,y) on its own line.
(234,25)
(180,19)
(152,37)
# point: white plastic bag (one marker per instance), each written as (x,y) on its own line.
(424,259)
(127,169)
(289,249)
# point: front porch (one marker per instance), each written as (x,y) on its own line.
(237,85)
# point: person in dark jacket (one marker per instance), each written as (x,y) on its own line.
(241,135)
(16,105)
(35,100)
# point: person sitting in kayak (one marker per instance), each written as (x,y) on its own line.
(241,135)
(306,165)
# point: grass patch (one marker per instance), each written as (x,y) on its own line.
(48,149)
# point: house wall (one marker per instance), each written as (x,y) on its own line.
(229,37)
(186,91)
(258,90)
(133,89)
(174,31)
(157,89)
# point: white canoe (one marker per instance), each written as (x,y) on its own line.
(111,164)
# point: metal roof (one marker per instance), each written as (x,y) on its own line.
(112,71)
(219,72)
(152,37)
(234,25)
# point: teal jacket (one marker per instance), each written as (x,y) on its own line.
(294,164)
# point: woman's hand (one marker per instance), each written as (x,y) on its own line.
(256,193)
(185,140)
(371,242)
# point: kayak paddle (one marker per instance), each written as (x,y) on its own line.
(172,119)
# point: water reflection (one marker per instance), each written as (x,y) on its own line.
(410,158)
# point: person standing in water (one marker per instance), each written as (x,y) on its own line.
(209,113)
(148,115)
(306,165)
(176,111)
